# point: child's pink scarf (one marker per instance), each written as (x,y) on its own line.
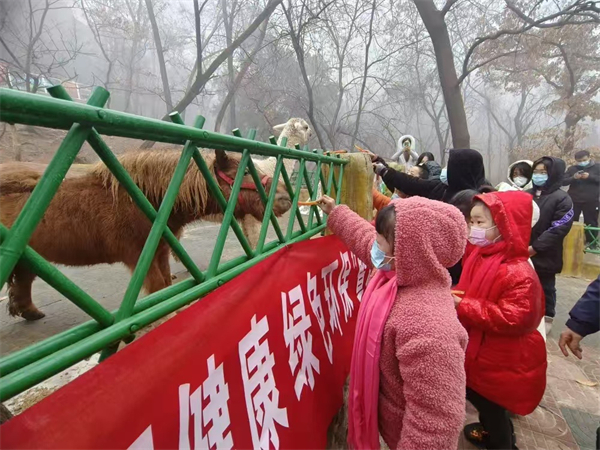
(363,429)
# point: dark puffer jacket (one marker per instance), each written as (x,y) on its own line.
(465,171)
(556,218)
(585,315)
(583,191)
(434,170)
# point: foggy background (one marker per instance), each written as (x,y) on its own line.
(360,72)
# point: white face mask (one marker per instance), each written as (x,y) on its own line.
(520,181)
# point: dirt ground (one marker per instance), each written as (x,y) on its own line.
(37,144)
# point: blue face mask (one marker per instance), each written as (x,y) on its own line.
(539,179)
(583,163)
(378,258)
(395,196)
(444,176)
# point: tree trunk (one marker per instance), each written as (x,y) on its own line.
(228,23)
(571,121)
(240,76)
(365,74)
(161,56)
(309,91)
(438,31)
(16,144)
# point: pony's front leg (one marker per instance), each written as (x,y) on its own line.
(19,295)
(251,229)
(159,274)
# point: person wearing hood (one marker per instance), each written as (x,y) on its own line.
(433,168)
(519,177)
(405,153)
(465,170)
(583,180)
(499,301)
(548,234)
(407,374)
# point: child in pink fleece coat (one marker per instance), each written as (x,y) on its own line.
(419,348)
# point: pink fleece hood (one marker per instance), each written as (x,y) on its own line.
(430,236)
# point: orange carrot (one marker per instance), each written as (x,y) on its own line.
(308,203)
(363,150)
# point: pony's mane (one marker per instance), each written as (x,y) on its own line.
(153,170)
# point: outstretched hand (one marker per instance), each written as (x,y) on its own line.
(572,340)
(379,168)
(377,159)
(327,204)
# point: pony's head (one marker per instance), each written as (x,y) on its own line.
(249,202)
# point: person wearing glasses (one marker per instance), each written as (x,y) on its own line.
(556,218)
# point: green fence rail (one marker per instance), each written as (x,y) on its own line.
(592,244)
(25,368)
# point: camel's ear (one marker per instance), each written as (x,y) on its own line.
(279,128)
(222,160)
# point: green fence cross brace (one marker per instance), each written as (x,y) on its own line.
(23,369)
(593,246)
(21,231)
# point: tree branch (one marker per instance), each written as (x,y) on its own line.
(449,4)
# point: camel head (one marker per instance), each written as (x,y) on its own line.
(296,130)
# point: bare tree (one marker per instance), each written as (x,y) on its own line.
(365,73)
(31,59)
(102,41)
(233,88)
(203,76)
(438,32)
(228,19)
(341,24)
(297,22)
(160,55)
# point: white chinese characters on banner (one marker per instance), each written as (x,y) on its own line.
(214,416)
(204,420)
(298,339)
(360,279)
(144,441)
(331,297)
(209,412)
(317,307)
(342,285)
(262,396)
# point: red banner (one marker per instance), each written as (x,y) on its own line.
(259,363)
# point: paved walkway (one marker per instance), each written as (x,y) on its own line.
(569,413)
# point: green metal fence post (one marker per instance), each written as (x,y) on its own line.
(113,164)
(228,216)
(62,284)
(28,366)
(146,258)
(215,190)
(35,207)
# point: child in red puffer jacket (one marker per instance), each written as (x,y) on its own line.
(501,307)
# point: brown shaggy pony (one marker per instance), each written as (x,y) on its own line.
(92,219)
